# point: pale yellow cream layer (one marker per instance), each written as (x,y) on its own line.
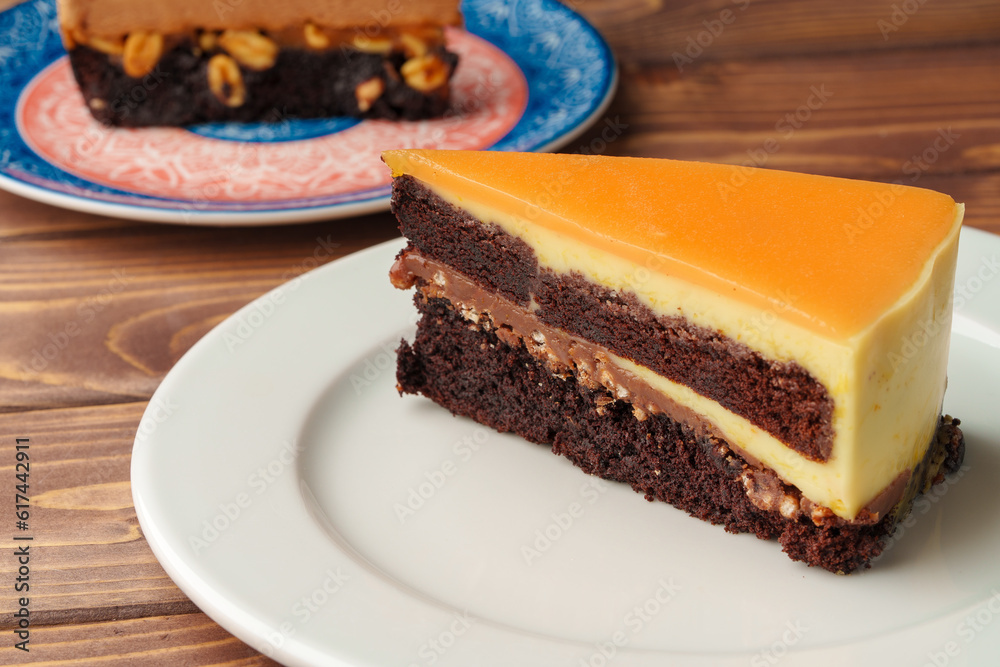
(886,378)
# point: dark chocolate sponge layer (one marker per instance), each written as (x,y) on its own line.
(301,84)
(781,398)
(474,373)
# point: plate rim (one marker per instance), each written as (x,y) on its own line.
(376,201)
(239,627)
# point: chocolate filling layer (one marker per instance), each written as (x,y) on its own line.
(483,371)
(177,91)
(779,397)
(568,356)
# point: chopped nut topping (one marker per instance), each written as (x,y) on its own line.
(371,45)
(315,37)
(821,515)
(425,73)
(413,46)
(141,53)
(226,81)
(789,507)
(112,47)
(250,48)
(368,91)
(470,313)
(207,41)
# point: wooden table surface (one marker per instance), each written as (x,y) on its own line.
(905,90)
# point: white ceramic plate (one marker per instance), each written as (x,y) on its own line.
(315,514)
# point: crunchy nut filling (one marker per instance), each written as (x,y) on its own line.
(207,41)
(112,47)
(425,73)
(368,91)
(225,80)
(768,493)
(250,48)
(367,44)
(141,53)
(413,45)
(229,50)
(315,37)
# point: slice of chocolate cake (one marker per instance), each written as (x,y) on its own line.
(765,350)
(191,61)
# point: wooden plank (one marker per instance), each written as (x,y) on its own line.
(92,316)
(640,31)
(896,115)
(979,192)
(183,640)
(88,558)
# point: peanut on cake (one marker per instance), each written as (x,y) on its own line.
(189,61)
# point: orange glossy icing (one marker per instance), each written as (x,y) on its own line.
(833,253)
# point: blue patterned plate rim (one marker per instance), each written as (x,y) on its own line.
(547,41)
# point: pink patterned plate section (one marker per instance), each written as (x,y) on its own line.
(489,97)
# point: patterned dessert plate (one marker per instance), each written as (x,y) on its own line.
(532,75)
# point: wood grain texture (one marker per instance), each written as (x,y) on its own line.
(899,115)
(658,31)
(94,311)
(186,640)
(89,560)
(99,315)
